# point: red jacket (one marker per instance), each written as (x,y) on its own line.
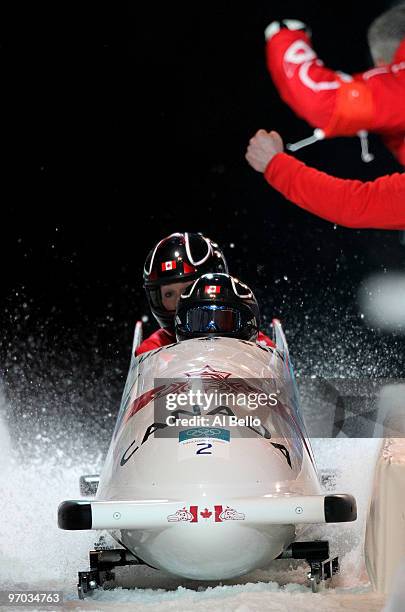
(378,204)
(163,337)
(341,105)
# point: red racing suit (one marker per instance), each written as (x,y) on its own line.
(339,104)
(378,204)
(164,337)
(161,337)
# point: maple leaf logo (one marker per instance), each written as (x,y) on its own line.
(206,514)
(208,372)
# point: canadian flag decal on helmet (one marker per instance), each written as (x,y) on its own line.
(168,265)
(210,289)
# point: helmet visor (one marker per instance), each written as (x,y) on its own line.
(203,319)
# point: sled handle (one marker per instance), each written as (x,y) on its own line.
(280,339)
(138,333)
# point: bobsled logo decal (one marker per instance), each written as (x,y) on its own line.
(229,514)
(159,392)
(126,456)
(184,515)
(205,432)
(192,515)
(149,396)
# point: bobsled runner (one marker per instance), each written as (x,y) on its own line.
(215,485)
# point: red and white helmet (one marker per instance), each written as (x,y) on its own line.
(176,259)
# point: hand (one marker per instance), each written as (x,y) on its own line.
(290,24)
(262,148)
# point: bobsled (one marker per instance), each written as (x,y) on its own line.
(210,473)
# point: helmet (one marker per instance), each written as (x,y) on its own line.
(177,259)
(217,305)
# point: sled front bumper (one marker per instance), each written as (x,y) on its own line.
(149,514)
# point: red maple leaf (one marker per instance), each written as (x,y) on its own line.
(206,513)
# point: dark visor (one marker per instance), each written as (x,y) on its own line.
(212,318)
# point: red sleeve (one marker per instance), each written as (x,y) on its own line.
(302,81)
(263,338)
(378,204)
(326,99)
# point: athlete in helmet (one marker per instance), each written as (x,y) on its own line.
(219,305)
(173,264)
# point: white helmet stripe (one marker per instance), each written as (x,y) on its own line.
(245,295)
(204,259)
(189,289)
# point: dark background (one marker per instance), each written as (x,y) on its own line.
(124,124)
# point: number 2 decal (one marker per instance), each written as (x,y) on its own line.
(202,451)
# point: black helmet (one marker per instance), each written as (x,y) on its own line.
(177,259)
(217,305)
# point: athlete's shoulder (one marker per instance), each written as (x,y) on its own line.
(265,340)
(161,337)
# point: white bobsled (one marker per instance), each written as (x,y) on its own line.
(208,489)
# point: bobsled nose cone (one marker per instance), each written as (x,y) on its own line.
(229,550)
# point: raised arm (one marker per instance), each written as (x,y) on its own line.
(335,102)
(378,204)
